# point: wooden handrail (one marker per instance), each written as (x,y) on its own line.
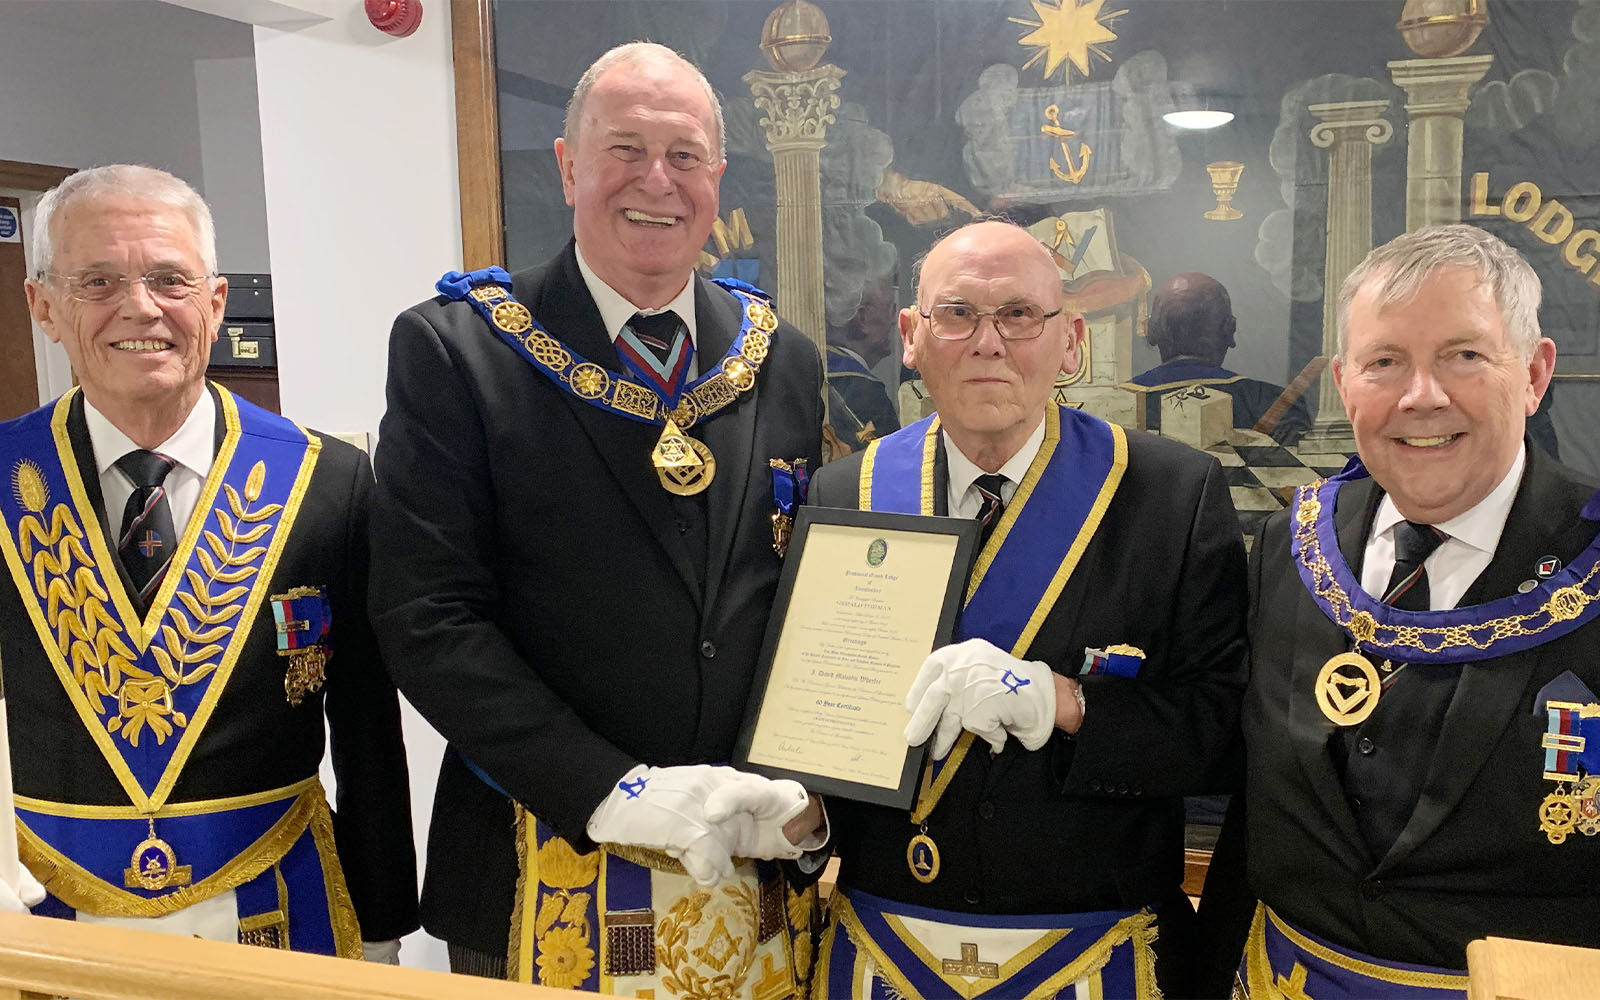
(40,956)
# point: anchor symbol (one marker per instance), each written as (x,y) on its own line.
(1073,174)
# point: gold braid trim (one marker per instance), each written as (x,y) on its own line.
(1372,970)
(82,890)
(523,826)
(341,908)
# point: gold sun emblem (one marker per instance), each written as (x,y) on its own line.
(1068,30)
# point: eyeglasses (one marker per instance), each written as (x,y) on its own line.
(106,286)
(958,321)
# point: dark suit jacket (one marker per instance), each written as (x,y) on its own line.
(1471,861)
(1095,821)
(256,740)
(532,584)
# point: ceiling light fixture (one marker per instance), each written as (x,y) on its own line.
(1197,119)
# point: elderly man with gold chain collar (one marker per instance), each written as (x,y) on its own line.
(185,600)
(1422,725)
(1098,676)
(585,475)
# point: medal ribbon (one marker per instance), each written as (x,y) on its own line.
(489,292)
(1572,741)
(1566,601)
(1035,546)
(790,484)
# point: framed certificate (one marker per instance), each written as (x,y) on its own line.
(864,598)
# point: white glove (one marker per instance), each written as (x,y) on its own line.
(977,686)
(381,952)
(26,893)
(669,809)
(751,810)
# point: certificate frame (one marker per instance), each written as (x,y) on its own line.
(951,591)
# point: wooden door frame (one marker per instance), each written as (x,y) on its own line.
(32,176)
(477,133)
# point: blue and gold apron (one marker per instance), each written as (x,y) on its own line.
(1281,960)
(876,949)
(145,687)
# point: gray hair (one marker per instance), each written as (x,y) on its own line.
(1397,270)
(122,179)
(630,52)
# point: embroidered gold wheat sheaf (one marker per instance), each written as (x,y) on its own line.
(102,660)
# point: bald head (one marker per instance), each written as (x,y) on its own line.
(991,381)
(1192,317)
(997,248)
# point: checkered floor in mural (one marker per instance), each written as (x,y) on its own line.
(1262,474)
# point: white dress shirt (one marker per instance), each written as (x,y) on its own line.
(615,310)
(192,446)
(963,498)
(1459,559)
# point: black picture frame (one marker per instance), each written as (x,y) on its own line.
(966,531)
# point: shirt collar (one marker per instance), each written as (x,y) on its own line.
(615,310)
(1482,524)
(963,472)
(192,445)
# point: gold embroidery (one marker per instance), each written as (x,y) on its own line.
(561,925)
(717,951)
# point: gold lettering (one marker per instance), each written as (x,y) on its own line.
(1556,212)
(1521,201)
(1573,253)
(1480,195)
(732,235)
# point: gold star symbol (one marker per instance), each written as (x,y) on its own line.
(1068,30)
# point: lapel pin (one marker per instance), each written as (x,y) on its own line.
(1546,567)
(1525,586)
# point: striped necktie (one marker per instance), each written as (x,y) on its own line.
(147,538)
(989,486)
(1408,584)
(657,349)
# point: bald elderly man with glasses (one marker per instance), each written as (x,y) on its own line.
(184,604)
(1097,674)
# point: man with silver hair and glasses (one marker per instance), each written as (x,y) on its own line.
(581,470)
(184,604)
(1422,726)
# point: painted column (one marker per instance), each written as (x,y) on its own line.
(1348,130)
(1436,97)
(799,109)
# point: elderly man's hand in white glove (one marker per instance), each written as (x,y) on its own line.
(977,686)
(26,893)
(701,815)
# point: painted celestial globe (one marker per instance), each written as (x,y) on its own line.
(795,36)
(1436,29)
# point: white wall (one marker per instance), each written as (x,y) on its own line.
(358,151)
